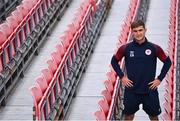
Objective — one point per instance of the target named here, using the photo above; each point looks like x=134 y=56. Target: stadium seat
x=79 y=15
x=56 y=57
x=60 y=49
x=42 y=83
x=165 y=117
x=11 y=20
x=72 y=29
x=35 y=2
x=23 y=9
x=168 y=108
x=3 y=37
x=109 y=86
x=168 y=88
x=84 y=5
x=112 y=77
x=6 y=28
x=37 y=95
x=17 y=15
x=65 y=40
x=47 y=75
x=76 y=23
x=100 y=116
x=107 y=96
x=52 y=65
x=27 y=4
x=104 y=106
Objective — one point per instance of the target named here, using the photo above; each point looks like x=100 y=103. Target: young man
x=140 y=81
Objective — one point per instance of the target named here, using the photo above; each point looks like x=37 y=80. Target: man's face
x=139 y=33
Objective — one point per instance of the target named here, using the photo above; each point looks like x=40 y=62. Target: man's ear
x=145 y=29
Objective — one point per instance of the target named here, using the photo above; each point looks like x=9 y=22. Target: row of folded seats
x=110 y=107
x=21 y=34
x=55 y=87
x=177 y=93
x=6 y=7
x=169 y=103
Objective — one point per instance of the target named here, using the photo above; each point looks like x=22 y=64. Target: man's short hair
x=137 y=23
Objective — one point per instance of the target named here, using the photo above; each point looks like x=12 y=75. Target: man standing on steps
x=140 y=81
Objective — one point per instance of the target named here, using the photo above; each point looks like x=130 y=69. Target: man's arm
x=166 y=60
x=116 y=67
x=115 y=60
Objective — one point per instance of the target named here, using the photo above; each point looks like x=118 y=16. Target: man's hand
x=126 y=82
x=154 y=84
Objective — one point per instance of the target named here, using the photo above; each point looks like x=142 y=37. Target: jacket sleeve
x=115 y=61
x=166 y=60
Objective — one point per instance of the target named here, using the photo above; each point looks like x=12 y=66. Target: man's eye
x=138 y=30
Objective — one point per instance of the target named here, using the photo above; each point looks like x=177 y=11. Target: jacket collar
x=135 y=42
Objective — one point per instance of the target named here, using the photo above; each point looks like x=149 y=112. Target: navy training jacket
x=140 y=64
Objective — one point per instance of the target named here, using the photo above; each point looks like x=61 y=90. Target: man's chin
x=139 y=39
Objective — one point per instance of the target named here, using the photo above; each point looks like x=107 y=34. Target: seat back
x=3 y=37
x=104 y=106
x=56 y=56
x=52 y=65
x=107 y=96
x=36 y=95
x=109 y=86
x=100 y=116
x=47 y=74
x=42 y=83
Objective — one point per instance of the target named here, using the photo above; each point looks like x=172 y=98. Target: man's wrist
x=159 y=79
x=121 y=76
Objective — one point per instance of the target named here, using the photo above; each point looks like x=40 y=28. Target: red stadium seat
x=24 y=10
x=109 y=86
x=167 y=108
x=76 y=23
x=37 y=95
x=79 y=15
x=84 y=5
x=100 y=116
x=52 y=65
x=107 y=96
x=168 y=97
x=42 y=83
x=65 y=41
x=66 y=38
x=3 y=37
x=27 y=4
x=112 y=77
x=17 y=15
x=47 y=75
x=5 y=27
x=166 y=117
x=56 y=57
x=11 y=20
x=104 y=106
x=34 y=2
x=60 y=49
